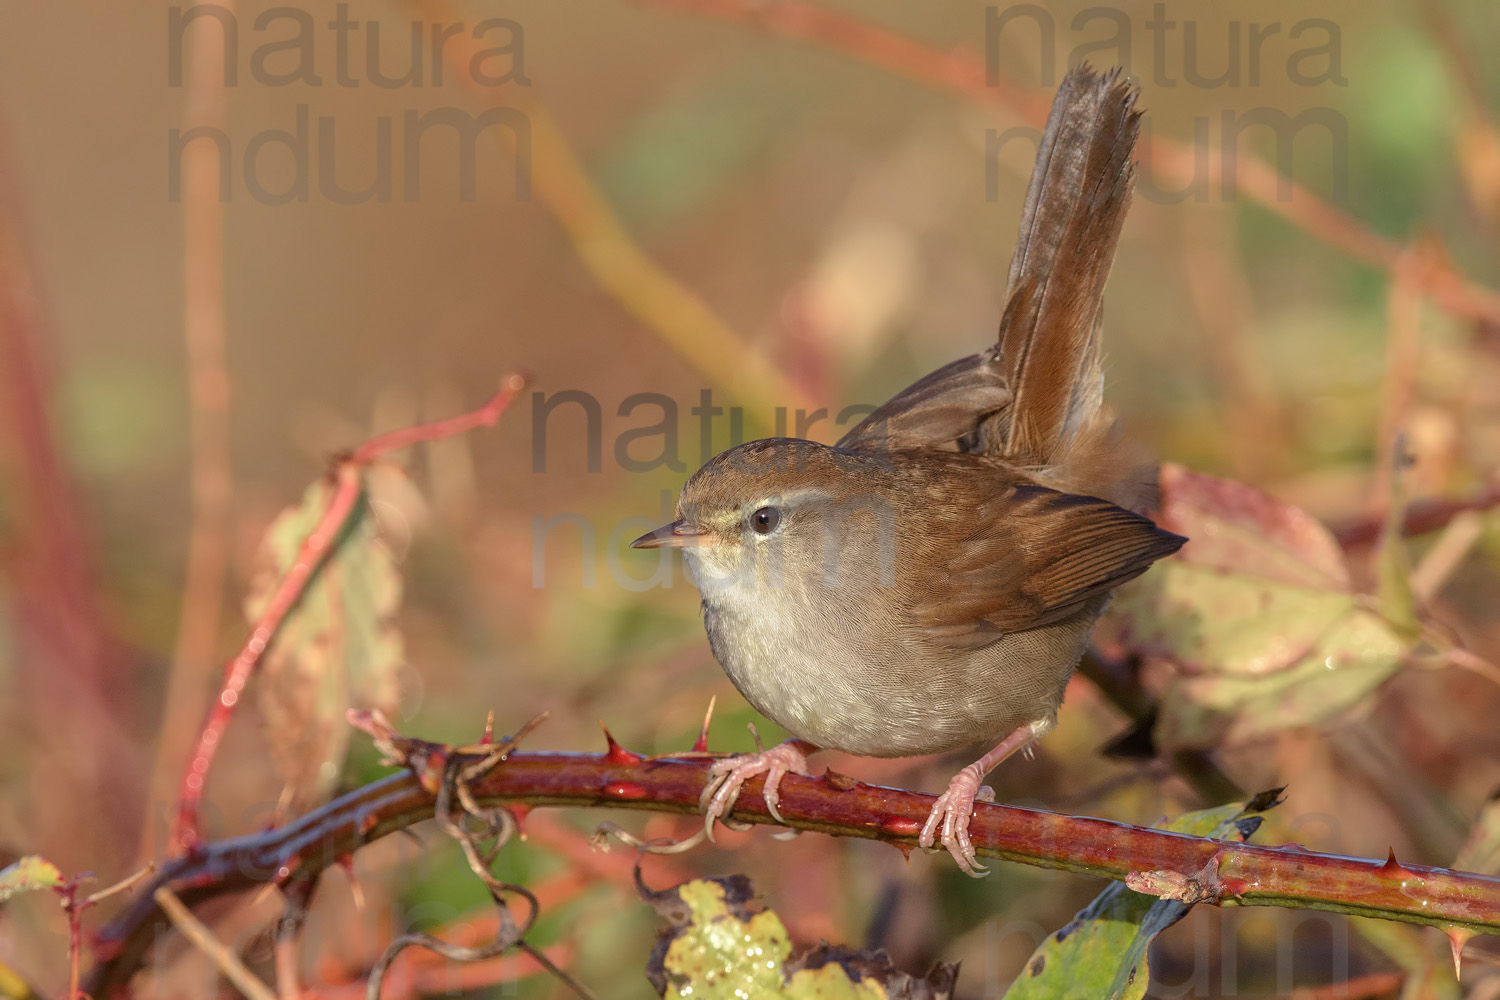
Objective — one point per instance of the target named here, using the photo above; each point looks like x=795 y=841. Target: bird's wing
x=1000 y=579
x=941 y=410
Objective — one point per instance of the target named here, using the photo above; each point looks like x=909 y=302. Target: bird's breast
x=832 y=673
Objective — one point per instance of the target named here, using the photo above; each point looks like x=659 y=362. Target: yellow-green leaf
x=1102 y=951
x=721 y=946
x=1357 y=654
x=27 y=875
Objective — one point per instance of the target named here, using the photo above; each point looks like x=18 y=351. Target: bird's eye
x=765 y=520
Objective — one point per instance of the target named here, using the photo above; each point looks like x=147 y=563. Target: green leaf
x=1209 y=620
x=1356 y=654
x=1102 y=951
x=1398 y=602
x=721 y=945
x=27 y=875
x=337 y=649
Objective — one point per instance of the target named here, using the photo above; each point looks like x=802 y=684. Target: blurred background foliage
x=849 y=226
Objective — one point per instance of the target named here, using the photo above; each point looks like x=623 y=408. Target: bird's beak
x=674 y=535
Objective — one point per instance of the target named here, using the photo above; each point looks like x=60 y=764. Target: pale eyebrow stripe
x=793 y=496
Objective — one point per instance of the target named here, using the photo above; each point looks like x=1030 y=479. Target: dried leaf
x=337 y=649
x=1102 y=952
x=1236 y=528
x=1256 y=612
x=27 y=875
x=721 y=945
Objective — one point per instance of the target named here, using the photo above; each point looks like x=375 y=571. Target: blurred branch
x=348 y=476
x=1422 y=517
x=203 y=939
x=211 y=479
x=965 y=75
x=1463 y=904
x=1402 y=358
x=667 y=307
x=1477 y=147
x=73 y=675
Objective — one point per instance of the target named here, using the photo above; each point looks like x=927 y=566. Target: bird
x=930 y=581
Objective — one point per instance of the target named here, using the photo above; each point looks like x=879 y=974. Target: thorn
x=1394 y=867
x=759 y=746
x=905 y=850
x=838 y=782
x=489 y=729
x=702 y=745
x=617 y=754
x=1457 y=938
x=518 y=812
x=346 y=862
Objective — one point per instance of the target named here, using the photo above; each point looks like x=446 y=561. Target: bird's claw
x=728 y=776
x=948 y=822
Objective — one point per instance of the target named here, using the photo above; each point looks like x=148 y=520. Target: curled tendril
x=660 y=845
x=495 y=828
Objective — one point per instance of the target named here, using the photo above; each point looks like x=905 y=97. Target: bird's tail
x=1048 y=349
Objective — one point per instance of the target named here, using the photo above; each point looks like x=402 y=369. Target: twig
x=204 y=940
x=73 y=907
x=314 y=551
x=190 y=676
x=1402 y=355
x=1288 y=877
x=125 y=884
x=965 y=75
x=1443 y=558
x=295 y=895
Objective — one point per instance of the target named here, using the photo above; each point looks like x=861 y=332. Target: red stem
x=186 y=828
x=1286 y=876
x=486 y=416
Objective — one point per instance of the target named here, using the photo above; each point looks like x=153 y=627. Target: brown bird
x=930 y=582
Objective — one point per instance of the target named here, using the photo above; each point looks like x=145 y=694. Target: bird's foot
x=727 y=776
x=948 y=821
